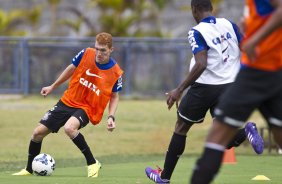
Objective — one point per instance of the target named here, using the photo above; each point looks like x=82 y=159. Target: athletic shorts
x=198 y=100
x=253 y=89
x=57 y=117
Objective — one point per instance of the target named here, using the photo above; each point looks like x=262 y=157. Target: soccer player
x=257 y=86
x=95 y=80
x=215 y=45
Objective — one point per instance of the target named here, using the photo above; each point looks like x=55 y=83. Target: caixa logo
x=222 y=38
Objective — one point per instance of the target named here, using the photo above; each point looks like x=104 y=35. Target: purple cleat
x=155 y=175
x=254 y=137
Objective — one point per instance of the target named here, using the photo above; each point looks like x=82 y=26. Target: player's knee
x=38 y=135
x=182 y=128
x=70 y=131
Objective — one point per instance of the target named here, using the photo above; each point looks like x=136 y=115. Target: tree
x=121 y=18
x=53 y=6
x=17 y=22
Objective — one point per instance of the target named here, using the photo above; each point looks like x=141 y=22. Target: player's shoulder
x=206 y=22
x=224 y=21
x=116 y=65
x=89 y=49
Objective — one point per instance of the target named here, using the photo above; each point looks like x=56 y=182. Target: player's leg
x=270 y=107
x=277 y=134
x=176 y=148
x=46 y=126
x=71 y=129
x=249 y=131
x=271 y=111
x=277 y=131
x=238 y=139
x=235 y=107
x=72 y=126
x=34 y=148
x=52 y=121
x=210 y=161
x=219 y=136
x=192 y=109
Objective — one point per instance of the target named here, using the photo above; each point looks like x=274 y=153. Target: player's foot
x=23 y=172
x=94 y=169
x=155 y=175
x=254 y=137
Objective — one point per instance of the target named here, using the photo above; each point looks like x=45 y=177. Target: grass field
x=144 y=128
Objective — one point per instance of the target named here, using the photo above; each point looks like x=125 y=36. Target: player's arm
x=196 y=71
x=67 y=73
x=113 y=104
x=272 y=24
x=199 y=49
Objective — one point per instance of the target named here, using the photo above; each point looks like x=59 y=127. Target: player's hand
x=172 y=97
x=46 y=90
x=111 y=124
x=249 y=47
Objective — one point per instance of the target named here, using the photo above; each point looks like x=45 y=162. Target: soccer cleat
x=23 y=172
x=155 y=175
x=254 y=137
x=94 y=169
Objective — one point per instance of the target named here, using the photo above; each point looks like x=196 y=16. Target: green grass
x=130 y=169
x=144 y=128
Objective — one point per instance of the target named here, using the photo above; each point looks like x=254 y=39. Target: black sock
x=207 y=166
x=239 y=138
x=80 y=142
x=33 y=151
x=175 y=150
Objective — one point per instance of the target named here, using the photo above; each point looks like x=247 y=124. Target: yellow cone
x=260 y=177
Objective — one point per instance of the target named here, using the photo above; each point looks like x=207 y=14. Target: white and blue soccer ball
x=43 y=165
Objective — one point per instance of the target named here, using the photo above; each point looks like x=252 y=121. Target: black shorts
x=57 y=117
x=253 y=89
x=198 y=100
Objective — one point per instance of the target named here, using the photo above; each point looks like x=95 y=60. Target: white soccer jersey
x=221 y=39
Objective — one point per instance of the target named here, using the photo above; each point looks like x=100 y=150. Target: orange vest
x=269 y=56
x=90 y=88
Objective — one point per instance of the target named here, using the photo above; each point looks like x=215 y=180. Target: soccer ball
x=43 y=165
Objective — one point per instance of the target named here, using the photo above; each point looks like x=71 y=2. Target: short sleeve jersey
x=221 y=38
